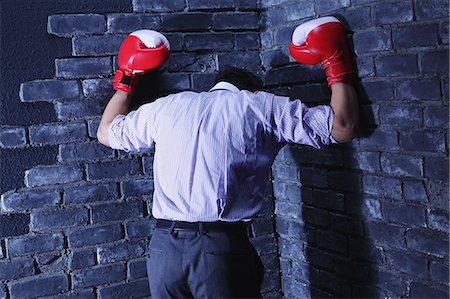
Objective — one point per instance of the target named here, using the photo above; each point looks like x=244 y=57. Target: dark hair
x=240 y=78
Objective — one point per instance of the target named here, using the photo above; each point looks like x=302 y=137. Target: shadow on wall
x=325 y=250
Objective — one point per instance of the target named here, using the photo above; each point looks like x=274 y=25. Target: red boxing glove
x=141 y=51
x=323 y=41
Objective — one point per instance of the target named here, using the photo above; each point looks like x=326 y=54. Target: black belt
x=220 y=226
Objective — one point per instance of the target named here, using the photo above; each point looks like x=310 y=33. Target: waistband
x=219 y=226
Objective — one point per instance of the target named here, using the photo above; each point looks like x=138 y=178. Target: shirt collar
x=225 y=85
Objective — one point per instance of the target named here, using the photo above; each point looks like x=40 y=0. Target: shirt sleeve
x=134 y=131
x=294 y=122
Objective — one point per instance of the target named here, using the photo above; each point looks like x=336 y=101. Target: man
x=213 y=156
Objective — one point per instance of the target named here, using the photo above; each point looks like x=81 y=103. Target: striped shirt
x=214 y=150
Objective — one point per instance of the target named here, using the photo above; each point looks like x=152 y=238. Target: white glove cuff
x=302 y=31
x=151 y=38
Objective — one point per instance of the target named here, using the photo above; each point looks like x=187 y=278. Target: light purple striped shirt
x=214 y=150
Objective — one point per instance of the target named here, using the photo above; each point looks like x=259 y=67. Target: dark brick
x=141 y=228
x=209 y=41
x=34 y=244
x=437 y=192
x=16 y=268
x=344 y=181
x=418 y=90
x=382 y=186
x=346 y=225
x=247 y=41
x=202 y=82
x=427 y=242
x=331 y=241
x=396 y=65
x=137 y=187
x=438 y=220
x=127 y=23
x=277 y=57
x=12 y=137
x=147 y=165
x=420 y=290
x=247 y=4
x=93 y=235
x=435 y=61
x=249 y=60
x=158 y=6
x=316 y=217
x=120 y=251
x=443 y=33
x=293 y=74
x=378 y=90
x=415 y=36
x=90 y=193
x=40 y=286
x=427 y=141
x=439 y=271
x=176 y=42
x=97 y=88
x=48 y=90
x=399 y=12
x=328 y=199
x=113 y=169
x=436 y=168
x=55 y=133
x=236 y=20
x=101 y=45
x=431 y=9
x=55 y=219
x=365 y=66
x=98 y=275
x=402 y=116
x=386 y=233
x=380 y=139
x=186 y=62
x=119 y=211
x=134 y=289
x=209 y=5
x=325 y=6
x=174 y=82
x=436 y=116
x=367 y=161
x=84 y=152
x=407 y=262
x=404 y=213
x=365 y=250
x=186 y=22
x=70 y=109
x=357 y=18
x=415 y=191
x=335 y=283
x=137 y=269
x=50 y=175
x=75 y=24
x=31 y=199
x=401 y=165
x=82 y=259
x=83 y=67
x=392 y=282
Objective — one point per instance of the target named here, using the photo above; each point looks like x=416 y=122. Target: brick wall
x=365 y=219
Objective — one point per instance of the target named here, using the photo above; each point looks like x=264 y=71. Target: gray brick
x=438 y=193
x=415 y=191
x=415 y=36
x=396 y=65
x=325 y=6
x=406 y=262
x=55 y=219
x=357 y=18
x=83 y=258
x=158 y=6
x=401 y=116
x=98 y=275
x=93 y=127
x=436 y=168
x=287 y=210
x=435 y=61
x=380 y=139
x=97 y=88
x=404 y=213
x=378 y=90
x=289 y=248
x=421 y=290
x=137 y=187
x=436 y=116
x=418 y=90
x=120 y=251
x=83 y=67
x=84 y=152
x=127 y=23
x=399 y=12
x=250 y=60
x=88 y=193
x=176 y=42
x=101 y=45
x=439 y=271
x=367 y=161
x=11 y=137
x=75 y=24
x=443 y=33
x=93 y=235
x=431 y=9
x=113 y=169
x=134 y=289
x=365 y=66
x=171 y=82
x=147 y=163
x=382 y=186
x=274 y=17
x=236 y=21
x=186 y=62
x=14 y=225
x=186 y=22
x=386 y=233
x=438 y=220
x=247 y=4
x=141 y=228
x=40 y=286
x=427 y=141
x=209 y=41
x=16 y=268
x=31 y=199
x=28 y=245
x=428 y=242
x=273 y=58
x=401 y=165
x=210 y=5
x=48 y=90
x=283 y=35
x=50 y=175
x=370 y=208
x=69 y=109
x=55 y=133
x=137 y=269
x=247 y=41
x=299 y=10
x=203 y=82
x=392 y=282
x=119 y=211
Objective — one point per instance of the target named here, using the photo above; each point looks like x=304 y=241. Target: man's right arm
x=344 y=103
